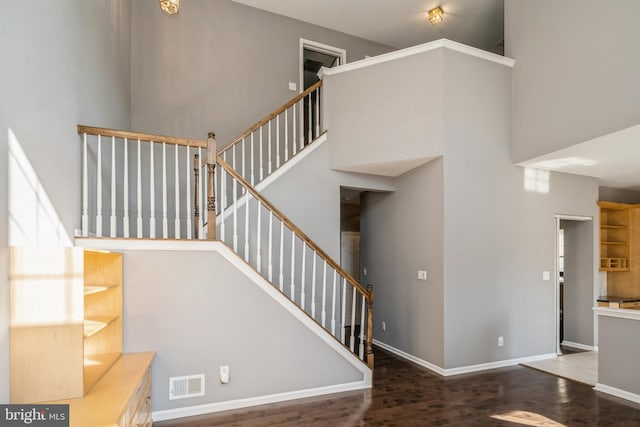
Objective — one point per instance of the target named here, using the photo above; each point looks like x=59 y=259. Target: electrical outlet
x=384 y=326
x=546 y=275
x=364 y=271
x=500 y=341
x=224 y=374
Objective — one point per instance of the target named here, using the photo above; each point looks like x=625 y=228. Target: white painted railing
x=292 y=262
x=144 y=184
x=274 y=140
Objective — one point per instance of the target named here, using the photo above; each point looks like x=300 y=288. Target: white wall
x=218 y=66
x=576 y=72
x=64 y=63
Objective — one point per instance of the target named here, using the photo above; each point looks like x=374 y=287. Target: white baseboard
x=617 y=392
x=463 y=369
x=579 y=346
x=189 y=411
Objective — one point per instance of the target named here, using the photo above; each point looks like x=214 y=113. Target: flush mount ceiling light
x=170 y=7
x=435 y=15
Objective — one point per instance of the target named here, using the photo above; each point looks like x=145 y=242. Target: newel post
x=372 y=297
x=211 y=196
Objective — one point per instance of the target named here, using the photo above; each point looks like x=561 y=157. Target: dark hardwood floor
x=405 y=394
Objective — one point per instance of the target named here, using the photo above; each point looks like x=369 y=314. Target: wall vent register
x=187 y=386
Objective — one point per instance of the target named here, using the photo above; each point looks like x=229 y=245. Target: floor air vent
x=184 y=387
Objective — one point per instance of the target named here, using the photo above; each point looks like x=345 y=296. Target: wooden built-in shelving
x=615 y=236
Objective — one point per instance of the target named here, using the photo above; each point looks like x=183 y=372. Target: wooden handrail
x=90 y=130
x=271 y=116
x=293 y=227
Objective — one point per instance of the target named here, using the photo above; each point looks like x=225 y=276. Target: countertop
x=612 y=298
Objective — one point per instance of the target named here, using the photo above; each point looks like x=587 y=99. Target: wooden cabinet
x=615 y=236
x=65 y=321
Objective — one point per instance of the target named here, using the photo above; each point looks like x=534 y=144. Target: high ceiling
x=400 y=23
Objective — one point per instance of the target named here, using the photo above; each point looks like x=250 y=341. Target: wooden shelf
x=96 y=289
x=95 y=325
x=615 y=235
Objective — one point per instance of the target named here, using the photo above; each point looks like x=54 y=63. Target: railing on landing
x=291 y=261
x=274 y=140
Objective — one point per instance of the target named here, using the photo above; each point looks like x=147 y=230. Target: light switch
x=422 y=274
x=546 y=275
x=293 y=86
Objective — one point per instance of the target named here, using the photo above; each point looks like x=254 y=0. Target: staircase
x=157 y=195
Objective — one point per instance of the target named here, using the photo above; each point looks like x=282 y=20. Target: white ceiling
x=399 y=23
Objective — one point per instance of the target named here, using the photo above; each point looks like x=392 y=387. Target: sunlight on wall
x=536 y=180
x=32 y=219
x=46 y=286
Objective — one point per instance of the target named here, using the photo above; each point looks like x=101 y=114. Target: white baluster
x=188 y=196
x=99 y=191
x=246 y=227
x=253 y=180
x=293 y=263
x=152 y=194
x=286 y=136
x=270 y=246
x=313 y=286
x=165 y=217
x=344 y=310
x=310 y=130
x=85 y=187
x=352 y=340
x=259 y=239
x=139 y=194
x=243 y=160
x=277 y=147
x=300 y=105
x=125 y=186
x=176 y=173
x=233 y=157
x=235 y=214
x=317 y=91
x=113 y=224
x=281 y=276
x=362 y=310
x=324 y=294
x=333 y=305
x=295 y=124
x=269 y=150
x=304 y=268
x=223 y=202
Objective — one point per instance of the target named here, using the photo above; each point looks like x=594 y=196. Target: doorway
x=575 y=284
x=313 y=57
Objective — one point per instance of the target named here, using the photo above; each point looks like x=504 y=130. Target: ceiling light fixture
x=170 y=7
x=435 y=15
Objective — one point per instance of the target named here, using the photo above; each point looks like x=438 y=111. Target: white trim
x=617 y=392
x=317 y=47
x=446 y=372
x=579 y=346
x=247 y=270
x=422 y=48
x=574 y=217
x=621 y=313
x=169 y=414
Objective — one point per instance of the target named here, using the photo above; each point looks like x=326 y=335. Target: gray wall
x=309 y=194
x=578 y=282
x=66 y=63
x=401 y=233
x=192 y=321
x=386 y=113
x=499 y=238
x=575 y=76
x=618 y=195
x=218 y=66
x=618 y=354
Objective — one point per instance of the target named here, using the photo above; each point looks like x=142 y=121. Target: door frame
x=340 y=53
x=556 y=282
